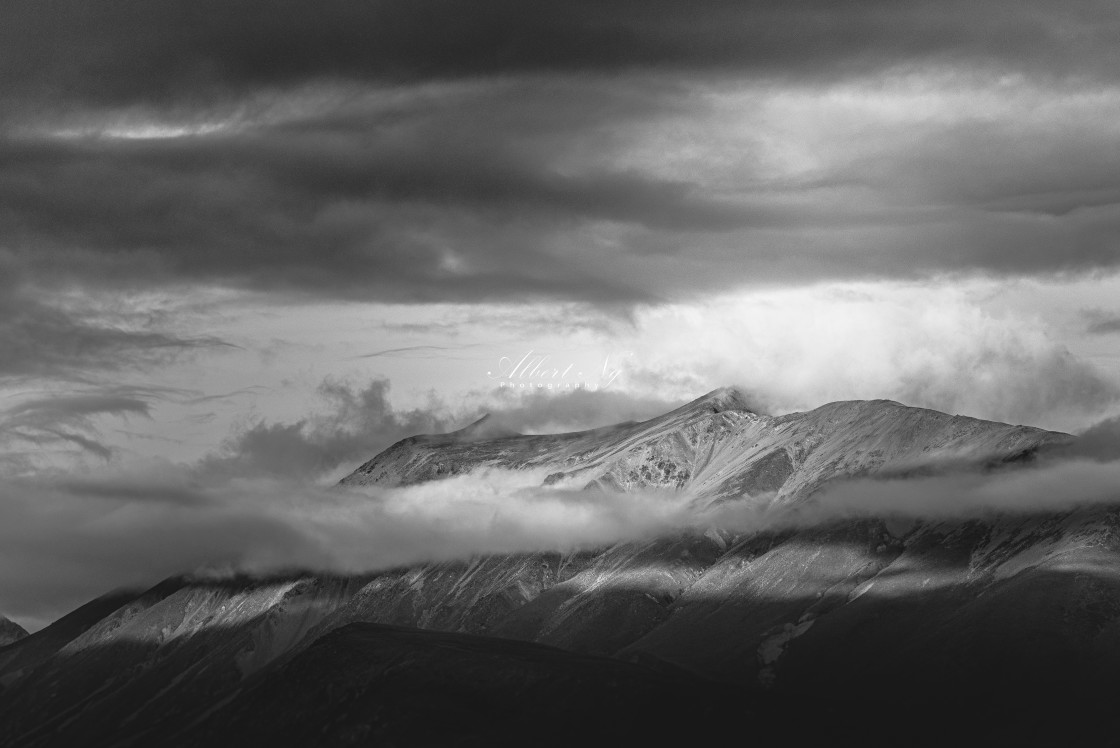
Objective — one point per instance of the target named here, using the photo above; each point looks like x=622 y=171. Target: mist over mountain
x=723 y=567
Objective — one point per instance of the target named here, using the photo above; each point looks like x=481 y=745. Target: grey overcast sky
x=251 y=238
x=611 y=152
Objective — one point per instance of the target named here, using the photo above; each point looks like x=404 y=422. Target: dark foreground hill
x=876 y=631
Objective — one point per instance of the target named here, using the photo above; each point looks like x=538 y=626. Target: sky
x=265 y=240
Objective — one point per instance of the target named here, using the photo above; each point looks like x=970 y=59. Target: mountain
x=10 y=631
x=992 y=630
x=717 y=447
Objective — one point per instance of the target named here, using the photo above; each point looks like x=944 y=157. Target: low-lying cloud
x=66 y=539
x=1055 y=487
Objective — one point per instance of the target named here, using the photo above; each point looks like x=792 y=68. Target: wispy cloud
x=421 y=351
x=71 y=417
x=43 y=337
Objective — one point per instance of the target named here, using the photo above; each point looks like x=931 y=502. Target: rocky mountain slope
x=1014 y=615
x=10 y=631
x=718 y=448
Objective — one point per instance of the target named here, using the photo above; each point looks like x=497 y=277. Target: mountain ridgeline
x=10 y=631
x=846 y=631
x=717 y=447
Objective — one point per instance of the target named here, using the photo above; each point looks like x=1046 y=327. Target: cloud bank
x=157 y=52
x=607 y=152
x=926 y=346
x=65 y=540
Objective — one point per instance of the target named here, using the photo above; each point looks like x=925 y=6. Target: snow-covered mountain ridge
x=717 y=447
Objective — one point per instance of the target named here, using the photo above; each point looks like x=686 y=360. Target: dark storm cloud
x=452 y=195
x=445 y=151
x=145 y=50
x=458 y=207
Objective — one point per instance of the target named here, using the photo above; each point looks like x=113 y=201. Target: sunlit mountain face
x=353 y=359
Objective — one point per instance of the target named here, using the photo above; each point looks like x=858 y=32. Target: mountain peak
x=486 y=427
x=723 y=398
x=10 y=631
